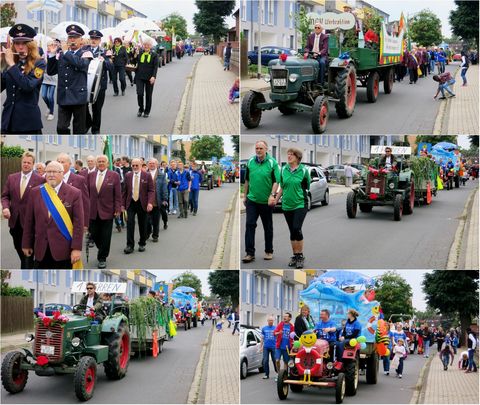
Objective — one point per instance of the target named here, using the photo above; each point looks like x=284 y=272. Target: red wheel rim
x=124 y=352
x=375 y=87
x=351 y=89
x=20 y=377
x=90 y=379
x=323 y=115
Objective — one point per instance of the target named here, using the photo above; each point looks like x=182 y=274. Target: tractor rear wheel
x=286 y=110
x=320 y=115
x=388 y=81
x=118 y=353
x=85 y=378
x=373 y=83
x=346 y=91
x=351 y=205
x=251 y=115
x=398 y=207
x=13 y=377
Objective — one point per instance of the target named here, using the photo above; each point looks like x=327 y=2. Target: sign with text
x=332 y=21
x=100 y=287
x=396 y=150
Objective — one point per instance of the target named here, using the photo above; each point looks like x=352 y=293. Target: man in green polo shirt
x=261 y=184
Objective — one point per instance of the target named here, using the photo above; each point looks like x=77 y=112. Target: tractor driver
x=326 y=329
x=318 y=44
x=388 y=161
x=93 y=300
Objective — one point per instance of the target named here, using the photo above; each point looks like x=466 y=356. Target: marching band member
x=22 y=79
x=145 y=76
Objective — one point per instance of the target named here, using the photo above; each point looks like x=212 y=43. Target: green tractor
x=73 y=344
x=381 y=186
x=294 y=86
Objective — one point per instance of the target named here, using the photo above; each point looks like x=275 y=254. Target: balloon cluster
x=361 y=340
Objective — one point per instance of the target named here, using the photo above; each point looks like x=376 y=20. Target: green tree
x=464 y=20
x=394 y=294
x=453 y=293
x=225 y=284
x=473 y=140
x=180 y=154
x=303 y=25
x=175 y=23
x=433 y=139
x=235 y=139
x=189 y=279
x=425 y=28
x=210 y=19
x=8 y=14
x=11 y=151
x=204 y=147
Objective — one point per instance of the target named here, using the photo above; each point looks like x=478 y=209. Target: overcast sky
x=159 y=9
x=169 y=275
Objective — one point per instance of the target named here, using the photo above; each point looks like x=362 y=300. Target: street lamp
x=259 y=50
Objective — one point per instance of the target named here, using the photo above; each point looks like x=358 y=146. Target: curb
x=195 y=387
x=221 y=241
x=182 y=112
x=419 y=386
x=454 y=252
x=439 y=121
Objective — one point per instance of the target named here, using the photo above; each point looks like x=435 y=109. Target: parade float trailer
x=188 y=318
x=382 y=187
x=311 y=364
x=71 y=344
x=441 y=153
x=426 y=173
x=293 y=80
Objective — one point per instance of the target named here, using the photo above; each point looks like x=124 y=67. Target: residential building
x=95 y=14
x=323 y=150
x=54 y=286
x=270 y=292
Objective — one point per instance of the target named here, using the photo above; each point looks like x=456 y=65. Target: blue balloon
x=363 y=346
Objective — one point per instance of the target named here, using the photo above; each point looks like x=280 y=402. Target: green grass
x=253 y=69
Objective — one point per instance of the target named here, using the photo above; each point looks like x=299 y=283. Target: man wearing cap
x=94 y=121
x=120 y=59
x=72 y=89
x=22 y=79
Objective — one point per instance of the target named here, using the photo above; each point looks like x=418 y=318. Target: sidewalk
x=253 y=84
x=222 y=384
x=12 y=341
x=449 y=387
x=471 y=258
x=461 y=113
x=208 y=109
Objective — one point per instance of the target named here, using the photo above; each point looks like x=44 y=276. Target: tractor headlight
x=76 y=342
x=267 y=78
x=391 y=186
x=329 y=365
x=293 y=77
x=291 y=363
x=29 y=337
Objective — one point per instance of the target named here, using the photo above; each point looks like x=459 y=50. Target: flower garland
x=58 y=319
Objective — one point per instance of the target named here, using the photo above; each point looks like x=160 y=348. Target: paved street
x=187 y=243
x=389 y=389
x=119 y=114
x=332 y=240
x=166 y=379
x=409 y=109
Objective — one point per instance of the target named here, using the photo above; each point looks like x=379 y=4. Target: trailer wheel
x=398 y=207
x=13 y=377
x=388 y=81
x=410 y=202
x=372 y=86
x=351 y=205
x=251 y=115
x=346 y=91
x=372 y=368
x=320 y=115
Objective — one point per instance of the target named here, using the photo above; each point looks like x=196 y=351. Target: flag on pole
x=107 y=150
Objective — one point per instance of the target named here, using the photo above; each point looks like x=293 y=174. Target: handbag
x=419 y=71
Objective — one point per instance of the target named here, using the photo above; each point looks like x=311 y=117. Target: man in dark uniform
x=94 y=121
x=120 y=59
x=145 y=76
x=72 y=90
x=22 y=79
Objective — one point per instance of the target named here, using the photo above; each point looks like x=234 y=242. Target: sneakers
x=300 y=260
x=50 y=117
x=386 y=372
x=248 y=259
x=293 y=261
x=268 y=256
x=265 y=377
x=399 y=376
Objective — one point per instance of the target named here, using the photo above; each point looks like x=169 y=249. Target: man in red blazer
x=105 y=204
x=76 y=181
x=42 y=235
x=138 y=197
x=15 y=195
x=318 y=44
x=91 y=166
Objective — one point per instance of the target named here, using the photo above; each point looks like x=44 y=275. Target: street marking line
x=195 y=387
x=453 y=255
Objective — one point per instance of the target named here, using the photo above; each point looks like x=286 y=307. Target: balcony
x=104 y=8
x=121 y=14
x=87 y=3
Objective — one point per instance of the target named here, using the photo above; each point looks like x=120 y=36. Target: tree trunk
x=465 y=321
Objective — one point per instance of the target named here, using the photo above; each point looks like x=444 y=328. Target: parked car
x=268 y=53
x=319 y=192
x=457 y=57
x=200 y=49
x=251 y=352
x=51 y=308
x=358 y=166
x=338 y=171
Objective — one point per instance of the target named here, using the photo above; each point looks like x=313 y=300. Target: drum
x=94 y=77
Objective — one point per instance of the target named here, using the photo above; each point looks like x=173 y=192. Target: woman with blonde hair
x=351 y=330
x=22 y=79
x=303 y=321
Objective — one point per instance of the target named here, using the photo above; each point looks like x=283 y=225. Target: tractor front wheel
x=398 y=207
x=118 y=353
x=340 y=388
x=85 y=378
x=351 y=205
x=251 y=115
x=282 y=388
x=13 y=377
x=320 y=115
x=373 y=83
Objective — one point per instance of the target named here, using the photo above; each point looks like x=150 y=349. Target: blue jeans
x=386 y=363
x=432 y=65
x=445 y=86
x=471 y=361
x=322 y=62
x=268 y=353
x=446 y=359
x=426 y=348
x=282 y=353
x=399 y=369
x=173 y=200
x=48 y=95
x=464 y=74
x=226 y=63
x=193 y=199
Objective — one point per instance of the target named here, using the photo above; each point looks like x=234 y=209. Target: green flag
x=107 y=150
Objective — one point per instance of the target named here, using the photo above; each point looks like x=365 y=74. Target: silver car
x=251 y=352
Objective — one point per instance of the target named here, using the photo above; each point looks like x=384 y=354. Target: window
x=243 y=11
x=248 y=317
x=247 y=288
x=311 y=157
x=291 y=19
x=277 y=295
x=270 y=12
x=264 y=291
x=258 y=282
x=274 y=152
x=54 y=277
x=262 y=12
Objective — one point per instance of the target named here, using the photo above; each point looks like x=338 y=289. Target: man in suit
x=138 y=197
x=120 y=59
x=162 y=192
x=145 y=78
x=118 y=168
x=41 y=233
x=72 y=89
x=76 y=181
x=105 y=204
x=318 y=44
x=15 y=197
x=153 y=222
x=91 y=166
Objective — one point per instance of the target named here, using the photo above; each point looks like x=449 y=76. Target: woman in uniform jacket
x=145 y=76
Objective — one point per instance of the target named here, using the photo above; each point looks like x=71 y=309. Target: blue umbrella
x=445 y=146
x=184 y=289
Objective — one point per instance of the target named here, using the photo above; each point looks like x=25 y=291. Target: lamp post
x=259 y=50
